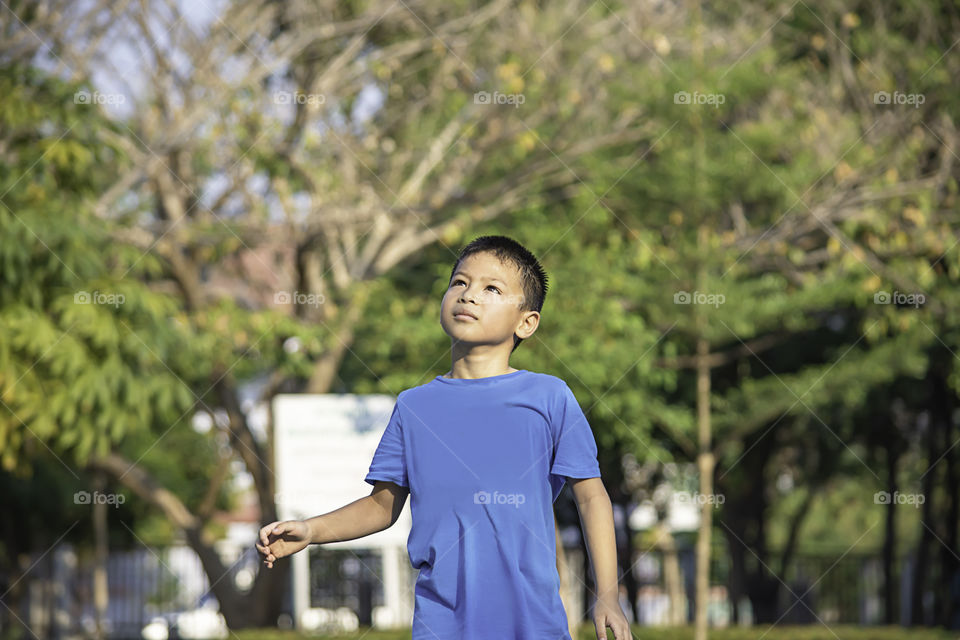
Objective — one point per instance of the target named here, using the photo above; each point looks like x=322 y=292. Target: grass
x=586 y=632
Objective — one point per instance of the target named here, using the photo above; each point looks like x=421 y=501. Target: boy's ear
x=528 y=324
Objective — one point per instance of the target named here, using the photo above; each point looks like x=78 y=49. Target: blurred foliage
x=91 y=358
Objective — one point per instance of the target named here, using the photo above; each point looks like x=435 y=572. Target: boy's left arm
x=596 y=516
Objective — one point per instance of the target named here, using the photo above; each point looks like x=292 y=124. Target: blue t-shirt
x=484 y=460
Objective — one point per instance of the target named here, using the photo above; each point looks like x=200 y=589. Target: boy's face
x=490 y=291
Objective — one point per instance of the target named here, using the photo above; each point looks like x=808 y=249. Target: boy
x=483 y=452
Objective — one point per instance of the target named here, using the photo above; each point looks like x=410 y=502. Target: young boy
x=483 y=452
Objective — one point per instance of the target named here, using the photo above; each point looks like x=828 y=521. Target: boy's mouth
x=463 y=315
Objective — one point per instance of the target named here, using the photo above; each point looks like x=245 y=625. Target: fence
x=828 y=588
x=55 y=598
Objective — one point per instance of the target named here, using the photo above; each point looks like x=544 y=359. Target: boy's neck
x=461 y=370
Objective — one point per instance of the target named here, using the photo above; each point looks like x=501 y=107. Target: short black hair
x=533 y=278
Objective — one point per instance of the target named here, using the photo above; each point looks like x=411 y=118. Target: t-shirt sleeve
x=574 y=447
x=388 y=462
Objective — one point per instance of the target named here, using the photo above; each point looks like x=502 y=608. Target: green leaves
x=85 y=350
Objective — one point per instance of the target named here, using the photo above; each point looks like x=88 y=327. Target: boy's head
x=502 y=285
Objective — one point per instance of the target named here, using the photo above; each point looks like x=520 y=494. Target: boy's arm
x=596 y=516
x=360 y=518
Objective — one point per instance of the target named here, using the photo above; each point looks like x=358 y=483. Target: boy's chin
x=463 y=331
x=460 y=337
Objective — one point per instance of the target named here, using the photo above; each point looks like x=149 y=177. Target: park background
x=747 y=211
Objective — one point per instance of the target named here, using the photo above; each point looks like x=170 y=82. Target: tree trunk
x=672 y=580
x=565 y=586
x=950 y=551
x=946 y=594
x=240 y=611
x=705 y=464
x=890 y=539
x=745 y=513
x=261 y=605
x=622 y=501
x=793 y=530
x=737 y=571
x=926 y=521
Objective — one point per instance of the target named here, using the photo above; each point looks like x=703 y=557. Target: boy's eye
x=489 y=286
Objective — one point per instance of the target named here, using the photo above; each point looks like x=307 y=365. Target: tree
x=783 y=218
x=298 y=152
x=67 y=353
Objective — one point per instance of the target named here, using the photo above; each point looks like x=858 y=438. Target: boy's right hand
x=281 y=539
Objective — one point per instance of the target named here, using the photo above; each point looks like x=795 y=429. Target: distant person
x=483 y=451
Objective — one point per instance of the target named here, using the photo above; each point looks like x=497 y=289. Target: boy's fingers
x=265 y=531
